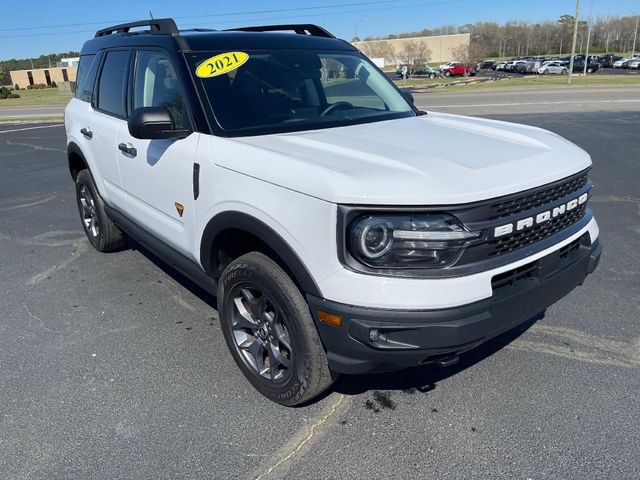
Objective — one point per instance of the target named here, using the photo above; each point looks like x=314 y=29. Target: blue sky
x=64 y=25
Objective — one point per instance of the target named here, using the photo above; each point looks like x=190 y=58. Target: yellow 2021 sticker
x=221 y=64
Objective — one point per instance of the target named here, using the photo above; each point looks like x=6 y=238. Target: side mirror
x=408 y=96
x=154 y=123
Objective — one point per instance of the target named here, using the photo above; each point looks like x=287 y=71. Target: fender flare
x=242 y=221
x=74 y=149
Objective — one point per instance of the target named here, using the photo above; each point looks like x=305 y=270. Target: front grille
x=550 y=194
x=521 y=239
x=524 y=277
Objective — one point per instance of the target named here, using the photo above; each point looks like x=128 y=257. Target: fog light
x=374 y=335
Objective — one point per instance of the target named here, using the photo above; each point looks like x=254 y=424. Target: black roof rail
x=157 y=26
x=299 y=28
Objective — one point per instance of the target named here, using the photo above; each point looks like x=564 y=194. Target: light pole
x=573 y=44
x=586 y=54
x=635 y=35
x=561 y=39
x=501 y=46
x=355 y=27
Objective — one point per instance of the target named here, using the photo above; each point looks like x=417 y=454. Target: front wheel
x=432 y=76
x=589 y=70
x=447 y=73
x=565 y=71
x=269 y=330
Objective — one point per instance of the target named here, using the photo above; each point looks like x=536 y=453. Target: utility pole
x=573 y=44
x=635 y=35
x=586 y=55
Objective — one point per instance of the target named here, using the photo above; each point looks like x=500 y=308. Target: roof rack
x=157 y=26
x=300 y=29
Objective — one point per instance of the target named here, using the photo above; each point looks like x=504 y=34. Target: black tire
x=432 y=76
x=307 y=374
x=589 y=70
x=565 y=71
x=447 y=73
x=545 y=72
x=106 y=237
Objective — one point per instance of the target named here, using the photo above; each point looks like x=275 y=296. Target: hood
x=433 y=159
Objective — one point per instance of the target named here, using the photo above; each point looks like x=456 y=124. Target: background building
x=441 y=47
x=68 y=62
x=46 y=76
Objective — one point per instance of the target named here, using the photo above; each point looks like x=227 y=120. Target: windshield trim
x=219 y=131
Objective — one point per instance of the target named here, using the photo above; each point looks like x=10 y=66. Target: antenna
x=150 y=15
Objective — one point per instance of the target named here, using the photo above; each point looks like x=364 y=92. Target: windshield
x=290 y=90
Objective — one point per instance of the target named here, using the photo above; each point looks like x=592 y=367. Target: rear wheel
x=432 y=76
x=102 y=233
x=564 y=71
x=269 y=330
x=589 y=70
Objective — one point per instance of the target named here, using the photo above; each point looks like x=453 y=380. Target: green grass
x=45 y=96
x=531 y=81
x=18 y=120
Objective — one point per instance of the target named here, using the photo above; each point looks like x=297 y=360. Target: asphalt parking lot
x=113 y=366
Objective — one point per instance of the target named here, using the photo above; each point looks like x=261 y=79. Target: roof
x=163 y=32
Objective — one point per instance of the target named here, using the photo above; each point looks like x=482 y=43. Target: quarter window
x=111 y=86
x=158 y=85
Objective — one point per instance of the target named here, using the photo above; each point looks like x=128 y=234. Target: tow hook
x=446 y=361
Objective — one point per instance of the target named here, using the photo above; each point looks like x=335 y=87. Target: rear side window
x=86 y=77
x=112 y=82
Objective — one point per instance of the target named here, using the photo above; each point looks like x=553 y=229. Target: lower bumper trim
x=372 y=339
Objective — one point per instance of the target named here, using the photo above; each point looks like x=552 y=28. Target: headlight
x=408 y=241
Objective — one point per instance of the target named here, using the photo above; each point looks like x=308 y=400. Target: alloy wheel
x=88 y=211
x=260 y=333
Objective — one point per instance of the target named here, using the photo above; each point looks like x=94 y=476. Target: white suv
x=342 y=229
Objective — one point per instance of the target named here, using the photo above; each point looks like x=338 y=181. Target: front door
x=157 y=175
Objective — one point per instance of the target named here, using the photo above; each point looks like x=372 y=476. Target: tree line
x=520 y=38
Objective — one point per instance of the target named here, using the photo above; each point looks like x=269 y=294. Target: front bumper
x=374 y=339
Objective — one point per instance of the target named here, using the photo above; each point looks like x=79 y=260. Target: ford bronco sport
x=341 y=229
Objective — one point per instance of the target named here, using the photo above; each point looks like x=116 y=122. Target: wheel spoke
x=93 y=225
x=283 y=337
x=276 y=357
x=255 y=350
x=244 y=320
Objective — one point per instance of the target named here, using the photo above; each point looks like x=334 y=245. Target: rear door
x=158 y=179
x=103 y=124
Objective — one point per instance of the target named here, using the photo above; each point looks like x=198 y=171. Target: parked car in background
x=555 y=67
x=457 y=68
x=447 y=65
x=500 y=66
x=634 y=64
x=621 y=63
x=420 y=71
x=528 y=67
x=578 y=67
x=487 y=65
x=608 y=59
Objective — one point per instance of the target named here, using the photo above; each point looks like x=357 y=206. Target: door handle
x=86 y=132
x=128 y=149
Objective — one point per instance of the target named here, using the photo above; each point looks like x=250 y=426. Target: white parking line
x=517 y=104
x=31 y=128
